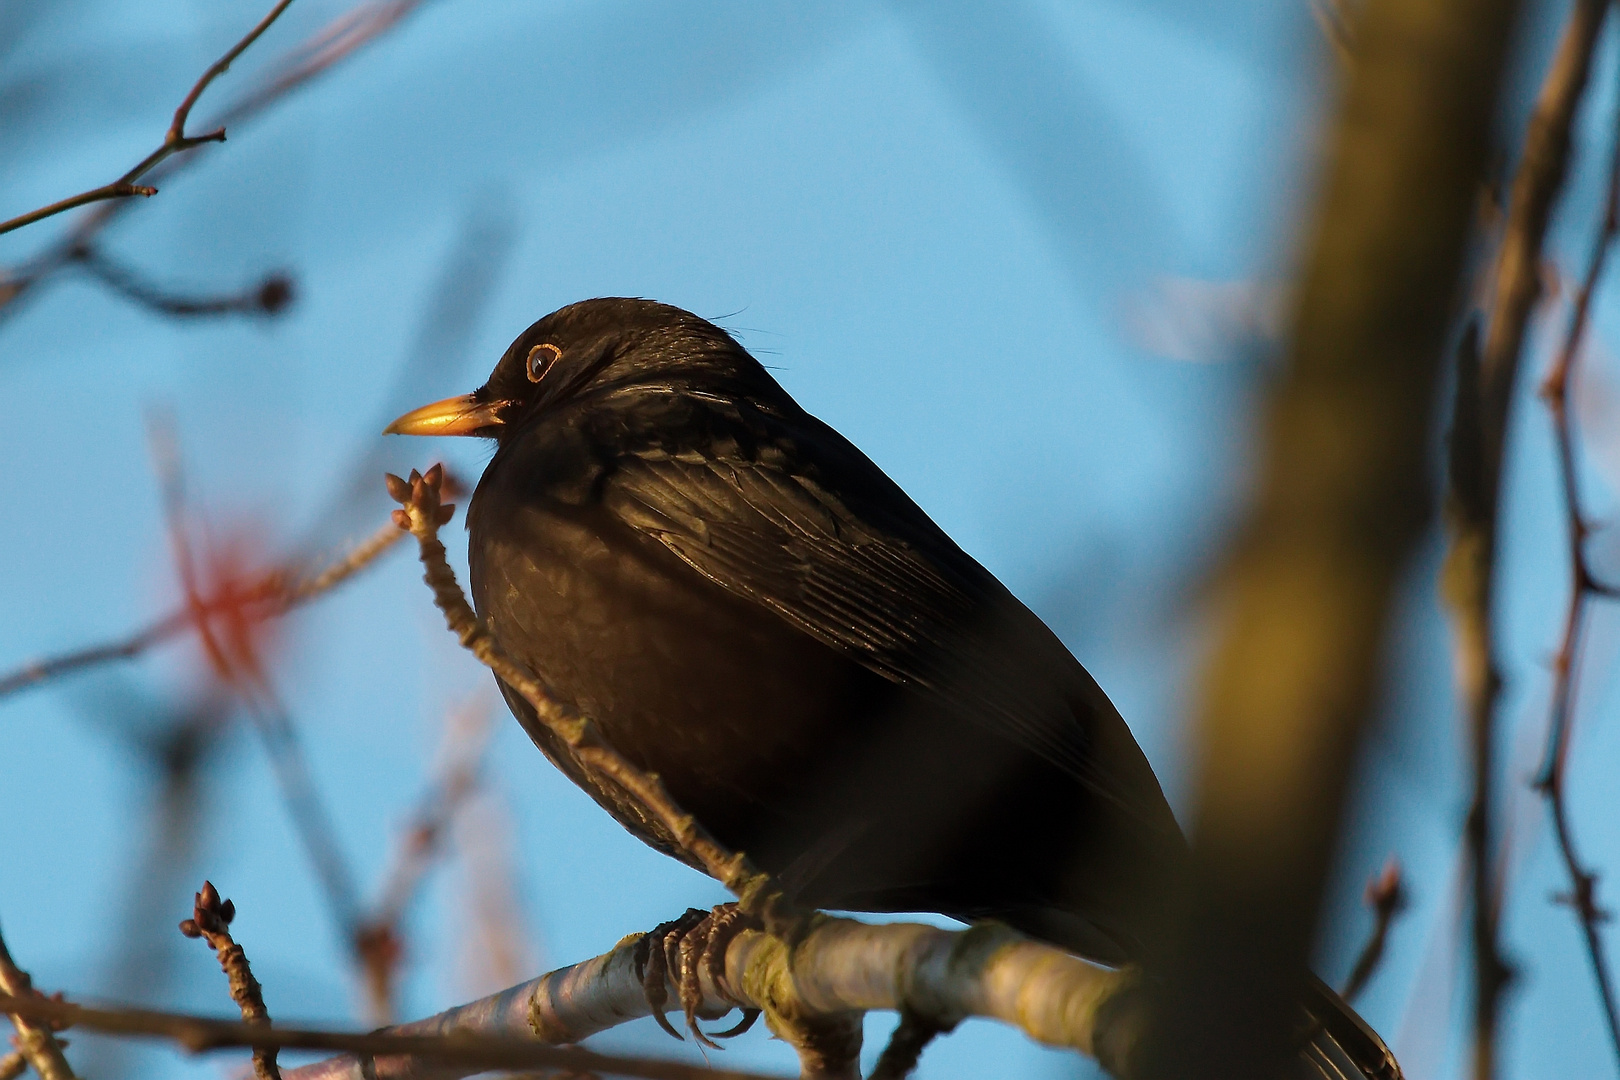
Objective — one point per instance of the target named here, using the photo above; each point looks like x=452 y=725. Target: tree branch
x=839 y=968
x=376 y=939
x=270 y=595
x=271 y=296
x=1387 y=897
x=1584 y=587
x=1485 y=386
x=1304 y=599
x=174 y=140
x=35 y=1039
x=474 y=1054
x=210 y=920
x=334 y=42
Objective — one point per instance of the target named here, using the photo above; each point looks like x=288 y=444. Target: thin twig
x=1584 y=586
x=13 y=1065
x=270 y=595
x=174 y=737
x=175 y=139
x=423 y=515
x=1387 y=897
x=423 y=836
x=211 y=920
x=337 y=40
x=35 y=1039
x=311 y=819
x=234 y=658
x=1485 y=386
x=233 y=655
x=324 y=49
x=270 y=296
x=200 y=1033
x=376 y=939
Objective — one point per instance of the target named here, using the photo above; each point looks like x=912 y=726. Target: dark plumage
x=750 y=608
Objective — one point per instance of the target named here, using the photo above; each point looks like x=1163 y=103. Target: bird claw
x=683 y=951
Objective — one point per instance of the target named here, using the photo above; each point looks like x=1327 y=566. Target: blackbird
x=750 y=608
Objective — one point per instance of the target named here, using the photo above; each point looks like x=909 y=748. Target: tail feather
x=1339 y=1043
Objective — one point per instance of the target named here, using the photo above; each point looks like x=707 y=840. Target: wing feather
x=867 y=572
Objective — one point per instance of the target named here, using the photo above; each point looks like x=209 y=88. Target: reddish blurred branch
x=1583 y=587
x=175 y=140
x=262 y=596
x=211 y=920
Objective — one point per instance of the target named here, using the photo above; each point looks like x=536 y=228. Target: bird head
x=590 y=346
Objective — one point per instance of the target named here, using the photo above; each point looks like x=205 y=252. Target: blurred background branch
x=1583 y=588
x=333 y=43
x=1303 y=602
x=175 y=140
x=36 y=1039
x=269 y=297
x=1485 y=391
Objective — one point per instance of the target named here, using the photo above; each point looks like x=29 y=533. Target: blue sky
x=962 y=234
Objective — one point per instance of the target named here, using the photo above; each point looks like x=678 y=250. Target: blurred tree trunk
x=1303 y=602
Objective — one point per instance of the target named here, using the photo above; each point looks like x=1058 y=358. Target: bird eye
x=540 y=358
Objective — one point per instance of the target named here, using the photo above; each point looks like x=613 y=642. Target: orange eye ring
x=542 y=357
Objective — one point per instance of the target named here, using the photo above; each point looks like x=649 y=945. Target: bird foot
x=683 y=950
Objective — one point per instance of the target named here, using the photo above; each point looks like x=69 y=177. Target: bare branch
x=13 y=1065
x=39 y=671
x=467 y=1054
x=35 y=1041
x=177 y=129
x=1387 y=897
x=211 y=920
x=269 y=297
x=272 y=594
x=1485 y=386
x=308 y=811
x=174 y=140
x=376 y=939
x=839 y=968
x=1304 y=600
x=331 y=44
x=1536 y=184
x=1582 y=897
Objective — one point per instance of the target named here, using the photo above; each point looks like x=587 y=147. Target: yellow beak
x=462 y=415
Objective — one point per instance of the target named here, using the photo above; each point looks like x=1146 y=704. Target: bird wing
x=781 y=509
